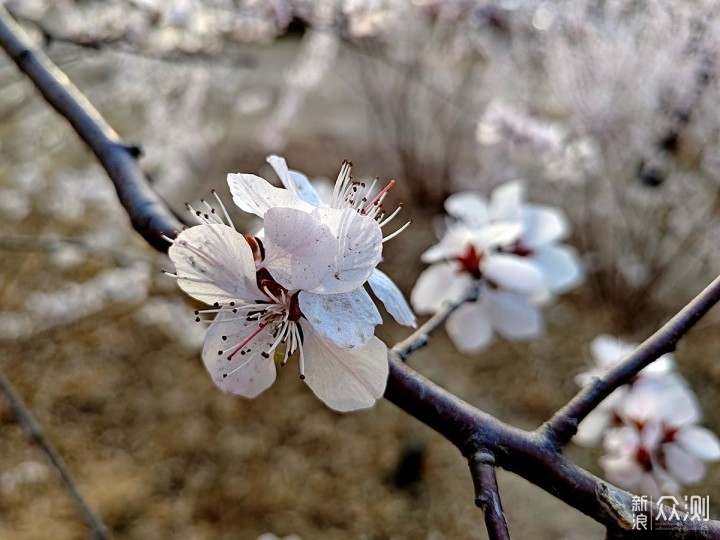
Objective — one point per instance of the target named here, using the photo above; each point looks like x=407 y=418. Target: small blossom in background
x=299 y=287
x=511 y=251
x=651 y=438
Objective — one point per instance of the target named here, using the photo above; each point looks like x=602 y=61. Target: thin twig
x=563 y=425
x=34 y=433
x=487 y=495
x=420 y=337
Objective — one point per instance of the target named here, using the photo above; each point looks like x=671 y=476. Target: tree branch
x=487 y=495
x=534 y=456
x=149 y=215
x=563 y=425
x=34 y=432
x=420 y=337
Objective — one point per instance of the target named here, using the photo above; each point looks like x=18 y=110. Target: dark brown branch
x=34 y=433
x=487 y=495
x=149 y=215
x=534 y=456
x=563 y=425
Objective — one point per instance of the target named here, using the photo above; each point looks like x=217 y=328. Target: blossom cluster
x=649 y=427
x=511 y=251
x=296 y=288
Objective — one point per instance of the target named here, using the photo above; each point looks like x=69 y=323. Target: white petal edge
x=294 y=181
x=513 y=273
x=299 y=249
x=506 y=201
x=700 y=442
x=544 y=225
x=348 y=319
x=560 y=267
x=214 y=263
x=512 y=316
x=468 y=207
x=469 y=328
x=344 y=379
x=256 y=195
x=392 y=298
x=247 y=374
x=359 y=249
x=438 y=284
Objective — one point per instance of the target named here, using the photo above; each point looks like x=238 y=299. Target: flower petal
x=247 y=374
x=543 y=225
x=468 y=207
x=359 y=249
x=512 y=316
x=560 y=267
x=344 y=379
x=347 y=319
x=438 y=284
x=454 y=243
x=299 y=249
x=294 y=181
x=592 y=428
x=683 y=466
x=700 y=442
x=513 y=273
x=214 y=263
x=392 y=298
x=256 y=195
x=506 y=201
x=469 y=327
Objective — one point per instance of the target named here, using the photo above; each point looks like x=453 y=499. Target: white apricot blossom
x=347 y=193
x=510 y=251
x=297 y=289
x=649 y=426
x=606 y=352
x=659 y=447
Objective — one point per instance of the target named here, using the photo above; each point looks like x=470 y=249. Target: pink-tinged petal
x=512 y=316
x=299 y=249
x=392 y=298
x=247 y=373
x=651 y=485
x=699 y=442
x=512 y=273
x=294 y=181
x=344 y=379
x=214 y=263
x=544 y=225
x=560 y=267
x=687 y=468
x=347 y=319
x=592 y=428
x=506 y=201
x=468 y=207
x=438 y=284
x=359 y=249
x=255 y=195
x=470 y=329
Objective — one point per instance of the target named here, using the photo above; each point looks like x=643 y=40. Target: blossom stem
x=420 y=337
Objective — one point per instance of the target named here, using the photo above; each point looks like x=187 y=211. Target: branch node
x=614 y=506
